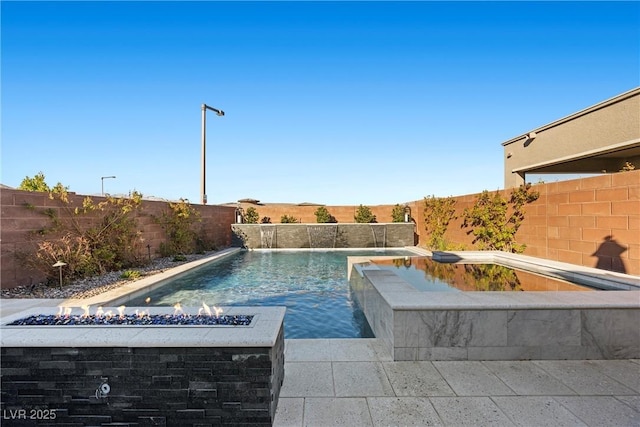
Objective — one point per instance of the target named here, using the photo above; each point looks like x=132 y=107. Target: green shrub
x=286 y=219
x=178 y=223
x=364 y=215
x=397 y=213
x=130 y=275
x=112 y=242
x=251 y=216
x=323 y=216
x=438 y=212
x=494 y=221
x=265 y=220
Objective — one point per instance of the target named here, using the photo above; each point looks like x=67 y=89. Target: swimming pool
x=312 y=285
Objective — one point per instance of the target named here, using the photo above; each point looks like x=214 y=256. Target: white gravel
x=93 y=286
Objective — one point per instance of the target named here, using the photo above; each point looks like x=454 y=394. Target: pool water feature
x=312 y=285
x=429 y=275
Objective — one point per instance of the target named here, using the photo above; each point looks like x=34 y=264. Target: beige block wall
x=21 y=214
x=569 y=222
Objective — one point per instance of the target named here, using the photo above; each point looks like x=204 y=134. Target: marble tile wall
x=431 y=327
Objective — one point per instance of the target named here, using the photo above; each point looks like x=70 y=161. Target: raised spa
x=447 y=324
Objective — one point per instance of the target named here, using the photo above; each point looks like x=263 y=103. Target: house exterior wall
x=612 y=124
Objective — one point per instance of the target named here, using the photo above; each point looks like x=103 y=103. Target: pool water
x=311 y=284
x=426 y=274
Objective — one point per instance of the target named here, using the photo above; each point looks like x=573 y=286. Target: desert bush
x=397 y=213
x=364 y=215
x=178 y=222
x=438 y=212
x=288 y=219
x=494 y=221
x=91 y=239
x=251 y=215
x=323 y=216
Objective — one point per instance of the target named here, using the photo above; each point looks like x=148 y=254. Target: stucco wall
x=611 y=124
x=22 y=213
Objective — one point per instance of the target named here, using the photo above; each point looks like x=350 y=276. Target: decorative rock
x=92 y=286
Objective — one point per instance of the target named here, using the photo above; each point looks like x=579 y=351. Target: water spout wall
x=266 y=236
x=322 y=236
x=379 y=232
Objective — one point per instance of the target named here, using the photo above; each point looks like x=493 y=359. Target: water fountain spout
x=322 y=236
x=266 y=236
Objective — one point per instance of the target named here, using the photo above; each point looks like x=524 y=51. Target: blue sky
x=327 y=102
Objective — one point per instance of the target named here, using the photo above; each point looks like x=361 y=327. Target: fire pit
x=205 y=317
x=145 y=365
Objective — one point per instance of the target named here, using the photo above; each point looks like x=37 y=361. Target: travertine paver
x=584 y=377
x=403 y=411
x=472 y=379
x=361 y=379
x=353 y=350
x=623 y=371
x=470 y=411
x=529 y=411
x=302 y=379
x=525 y=378
x=632 y=401
x=601 y=410
x=416 y=379
x=348 y=412
x=289 y=412
x=307 y=350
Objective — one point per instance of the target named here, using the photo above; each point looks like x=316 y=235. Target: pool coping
x=129 y=291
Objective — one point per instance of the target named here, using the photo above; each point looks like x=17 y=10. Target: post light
x=407 y=213
x=238 y=215
x=60 y=264
x=102 y=178
x=203 y=184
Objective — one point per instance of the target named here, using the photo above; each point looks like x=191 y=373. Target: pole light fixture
x=203 y=176
x=407 y=213
x=60 y=264
x=102 y=178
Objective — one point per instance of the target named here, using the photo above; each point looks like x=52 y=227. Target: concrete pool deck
x=355 y=382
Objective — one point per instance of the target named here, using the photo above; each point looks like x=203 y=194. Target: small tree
x=91 y=239
x=397 y=214
x=38 y=183
x=265 y=220
x=323 y=216
x=286 y=219
x=438 y=212
x=364 y=215
x=251 y=215
x=495 y=220
x=178 y=222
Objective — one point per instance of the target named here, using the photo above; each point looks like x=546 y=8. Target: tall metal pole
x=102 y=178
x=203 y=167
x=203 y=177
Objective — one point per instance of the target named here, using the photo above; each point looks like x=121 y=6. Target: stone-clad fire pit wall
x=143 y=375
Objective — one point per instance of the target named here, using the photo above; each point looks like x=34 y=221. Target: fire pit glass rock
x=141 y=318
